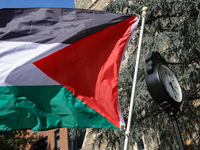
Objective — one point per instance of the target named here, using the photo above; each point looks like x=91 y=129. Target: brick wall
x=50 y=134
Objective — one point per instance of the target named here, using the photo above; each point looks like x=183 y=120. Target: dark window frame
x=140 y=145
x=57 y=138
x=41 y=144
x=75 y=144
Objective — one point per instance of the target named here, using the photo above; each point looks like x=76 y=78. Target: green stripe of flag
x=43 y=107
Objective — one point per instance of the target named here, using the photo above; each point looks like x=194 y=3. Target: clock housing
x=162 y=87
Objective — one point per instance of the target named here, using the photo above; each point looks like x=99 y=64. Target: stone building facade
x=92 y=4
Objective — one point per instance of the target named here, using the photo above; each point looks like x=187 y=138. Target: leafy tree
x=172 y=27
x=13 y=140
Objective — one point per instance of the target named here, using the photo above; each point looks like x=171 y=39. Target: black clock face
x=170 y=83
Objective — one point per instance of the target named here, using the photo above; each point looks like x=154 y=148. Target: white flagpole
x=144 y=9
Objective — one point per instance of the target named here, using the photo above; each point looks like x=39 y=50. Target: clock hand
x=174 y=87
x=174 y=91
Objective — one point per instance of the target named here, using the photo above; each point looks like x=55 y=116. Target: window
x=76 y=144
x=41 y=144
x=140 y=145
x=80 y=140
x=57 y=140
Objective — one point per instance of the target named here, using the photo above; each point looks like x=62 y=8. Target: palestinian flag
x=59 y=67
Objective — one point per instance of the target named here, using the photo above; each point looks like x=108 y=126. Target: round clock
x=163 y=85
x=170 y=83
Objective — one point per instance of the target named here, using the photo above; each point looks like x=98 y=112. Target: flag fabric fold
x=59 y=67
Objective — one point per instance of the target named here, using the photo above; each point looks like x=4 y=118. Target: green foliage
x=11 y=140
x=173 y=28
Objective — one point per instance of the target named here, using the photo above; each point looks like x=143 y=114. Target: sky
x=36 y=3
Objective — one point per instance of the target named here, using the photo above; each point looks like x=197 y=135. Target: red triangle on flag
x=89 y=68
